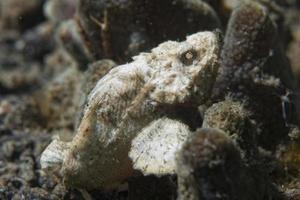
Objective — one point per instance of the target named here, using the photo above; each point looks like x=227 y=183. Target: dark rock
x=235 y=120
x=210 y=167
x=120 y=29
x=150 y=187
x=254 y=71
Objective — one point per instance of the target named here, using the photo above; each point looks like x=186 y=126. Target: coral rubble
x=211 y=112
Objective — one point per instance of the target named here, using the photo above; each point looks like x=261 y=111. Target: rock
x=121 y=29
x=209 y=166
x=15 y=14
x=71 y=41
x=254 y=71
x=235 y=120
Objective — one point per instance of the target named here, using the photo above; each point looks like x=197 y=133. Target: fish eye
x=188 y=57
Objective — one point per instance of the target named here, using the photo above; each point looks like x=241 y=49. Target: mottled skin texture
x=91 y=76
x=128 y=98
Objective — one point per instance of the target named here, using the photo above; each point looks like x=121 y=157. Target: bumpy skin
x=128 y=98
x=91 y=76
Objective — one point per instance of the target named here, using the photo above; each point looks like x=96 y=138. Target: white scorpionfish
x=125 y=119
